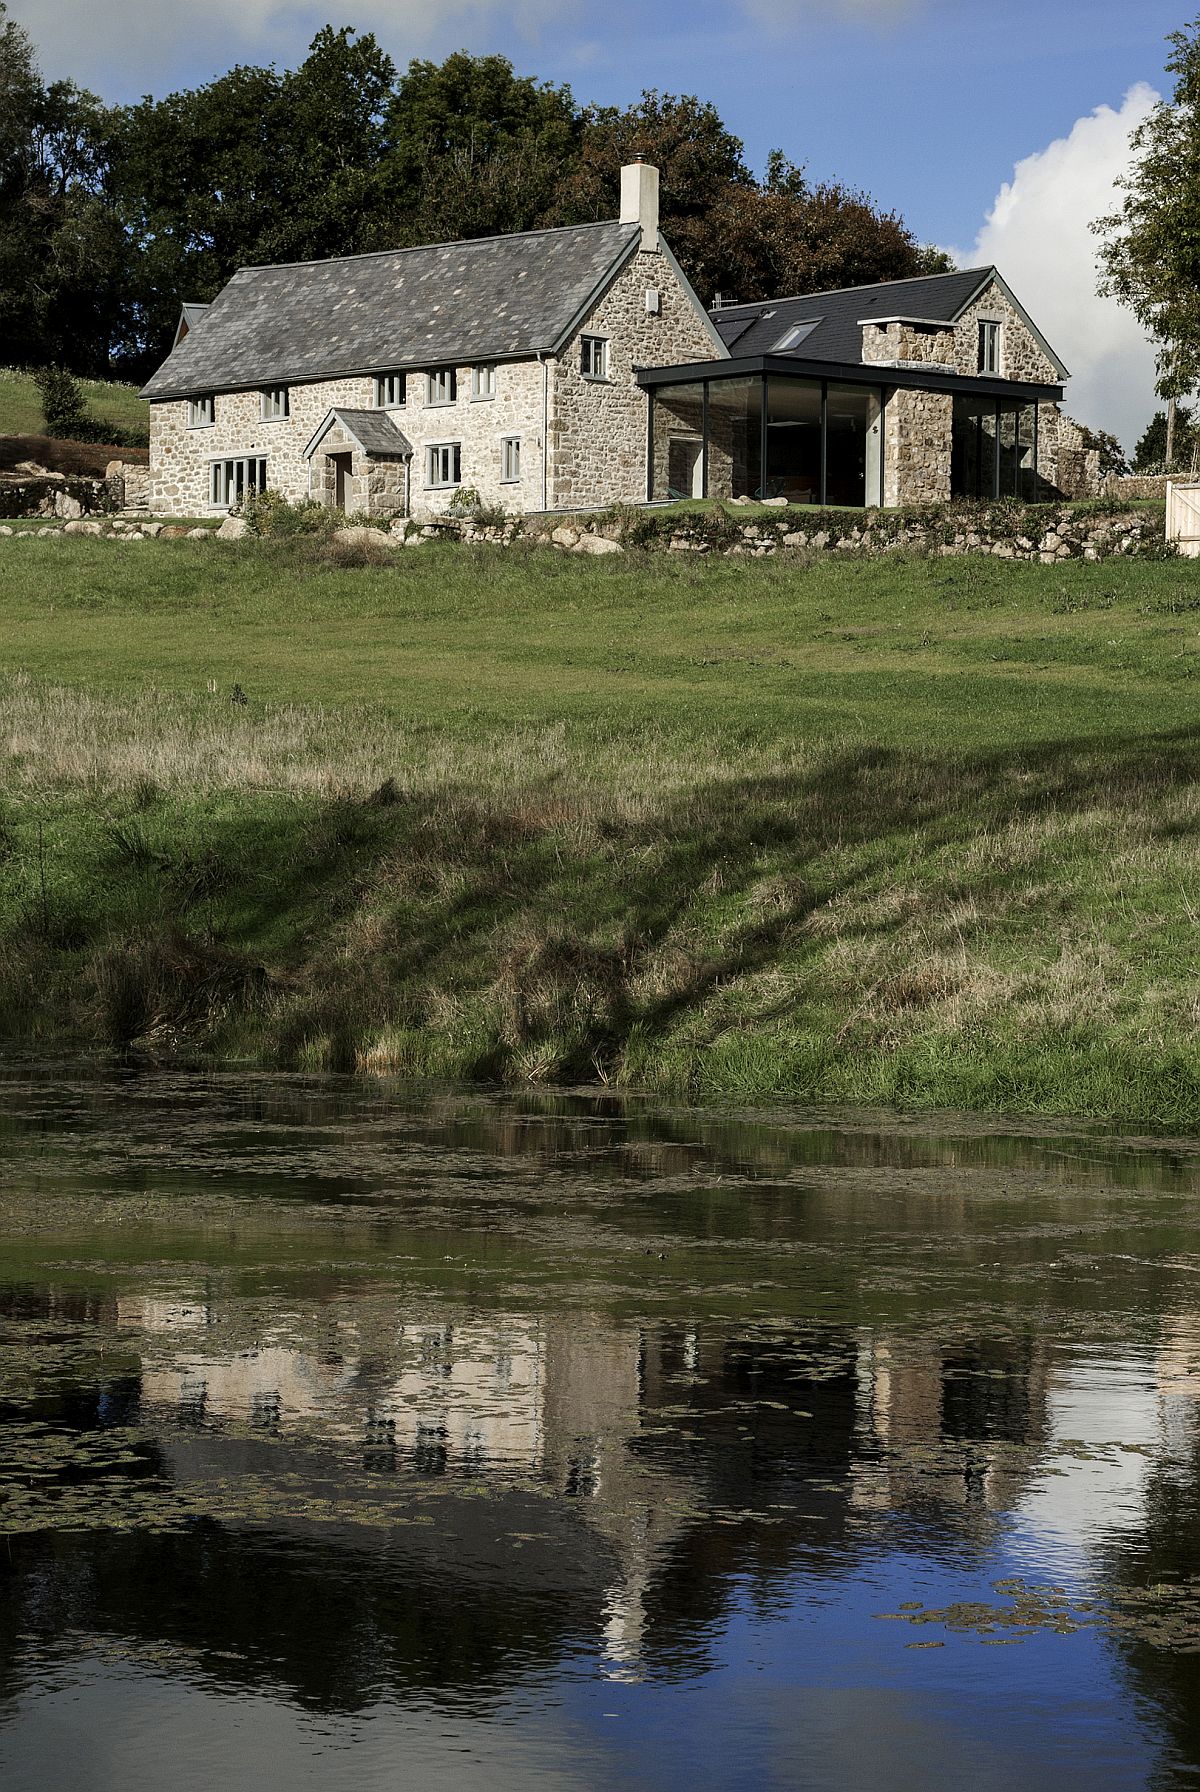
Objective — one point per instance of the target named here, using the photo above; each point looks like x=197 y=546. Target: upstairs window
x=389 y=391
x=593 y=357
x=441 y=385
x=202 y=412
x=232 y=480
x=510 y=460
x=483 y=380
x=989 y=348
x=443 y=464
x=276 y=404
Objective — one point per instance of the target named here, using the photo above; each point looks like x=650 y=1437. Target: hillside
x=107 y=400
x=919 y=832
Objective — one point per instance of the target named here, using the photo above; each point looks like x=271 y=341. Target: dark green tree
x=63 y=256
x=1150 y=455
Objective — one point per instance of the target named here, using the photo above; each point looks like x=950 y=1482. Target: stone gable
x=598 y=429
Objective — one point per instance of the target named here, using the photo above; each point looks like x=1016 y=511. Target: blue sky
x=927 y=104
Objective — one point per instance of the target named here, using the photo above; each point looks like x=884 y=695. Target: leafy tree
x=1150 y=258
x=732 y=234
x=1112 y=455
x=254 y=167
x=1150 y=455
x=63 y=256
x=476 y=150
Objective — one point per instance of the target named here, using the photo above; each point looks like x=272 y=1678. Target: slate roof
x=937 y=298
x=374 y=431
x=483 y=300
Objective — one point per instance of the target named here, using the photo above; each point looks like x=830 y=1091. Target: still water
x=371 y=1437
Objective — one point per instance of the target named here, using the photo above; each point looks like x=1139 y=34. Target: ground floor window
x=810 y=441
x=443 y=463
x=510 y=460
x=231 y=480
x=994 y=449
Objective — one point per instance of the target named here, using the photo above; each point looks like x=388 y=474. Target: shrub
x=271 y=514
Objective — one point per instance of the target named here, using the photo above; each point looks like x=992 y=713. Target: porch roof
x=852 y=373
x=373 y=431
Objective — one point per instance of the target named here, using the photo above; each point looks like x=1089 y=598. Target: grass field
x=107 y=400
x=920 y=831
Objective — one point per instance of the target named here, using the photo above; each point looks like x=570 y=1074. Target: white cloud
x=1037 y=233
x=782 y=15
x=153 y=45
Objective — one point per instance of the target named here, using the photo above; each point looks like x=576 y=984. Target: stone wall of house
x=1021 y=355
x=916 y=447
x=597 y=433
x=180 y=457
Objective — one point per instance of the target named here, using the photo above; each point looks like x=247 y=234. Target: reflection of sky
x=1100 y=1402
x=818 y=1694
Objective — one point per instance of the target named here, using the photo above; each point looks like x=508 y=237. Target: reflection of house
x=561 y=369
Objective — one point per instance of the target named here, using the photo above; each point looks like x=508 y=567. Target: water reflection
x=369 y=1405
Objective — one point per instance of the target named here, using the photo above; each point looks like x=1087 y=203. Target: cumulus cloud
x=1037 y=233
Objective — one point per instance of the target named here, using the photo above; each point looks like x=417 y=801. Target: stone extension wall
x=1021 y=355
x=597 y=432
x=916 y=447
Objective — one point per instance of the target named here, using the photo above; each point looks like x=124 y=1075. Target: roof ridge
x=833 y=292
x=464 y=242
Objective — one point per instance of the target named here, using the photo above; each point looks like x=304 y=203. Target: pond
x=370 y=1436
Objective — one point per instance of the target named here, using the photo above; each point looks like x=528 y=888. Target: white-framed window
x=593 y=357
x=202 y=412
x=390 y=391
x=276 y=404
x=441 y=385
x=989 y=347
x=483 y=380
x=443 y=464
x=510 y=460
x=232 y=480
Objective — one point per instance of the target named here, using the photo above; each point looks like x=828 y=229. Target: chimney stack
x=639 y=201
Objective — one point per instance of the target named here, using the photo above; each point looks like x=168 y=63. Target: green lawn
x=917 y=831
x=107 y=400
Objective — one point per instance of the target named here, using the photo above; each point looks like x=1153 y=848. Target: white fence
x=1183 y=518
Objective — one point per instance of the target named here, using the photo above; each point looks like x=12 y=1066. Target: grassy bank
x=911 y=831
x=108 y=401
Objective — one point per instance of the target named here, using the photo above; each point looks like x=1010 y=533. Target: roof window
x=793 y=337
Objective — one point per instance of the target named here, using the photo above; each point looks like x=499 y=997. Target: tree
x=733 y=234
x=1112 y=455
x=254 y=167
x=1150 y=455
x=63 y=255
x=1150 y=259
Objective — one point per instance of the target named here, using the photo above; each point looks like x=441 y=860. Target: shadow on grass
x=527 y=934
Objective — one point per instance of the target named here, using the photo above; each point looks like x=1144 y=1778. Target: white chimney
x=639 y=201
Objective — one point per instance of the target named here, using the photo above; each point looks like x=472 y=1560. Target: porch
x=359 y=462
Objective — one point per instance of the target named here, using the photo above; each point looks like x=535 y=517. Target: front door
x=343 y=465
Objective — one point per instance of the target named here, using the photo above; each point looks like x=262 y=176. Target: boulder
x=79 y=526
x=152 y=529
x=776 y=503
x=205 y=534
x=234 y=528
x=565 y=537
x=598 y=544
x=66 y=505
x=360 y=536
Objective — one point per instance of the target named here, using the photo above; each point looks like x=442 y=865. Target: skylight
x=793 y=337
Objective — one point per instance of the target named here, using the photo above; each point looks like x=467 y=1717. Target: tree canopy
x=1150 y=259
x=111 y=216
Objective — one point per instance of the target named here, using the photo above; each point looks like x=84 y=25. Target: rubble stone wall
x=598 y=428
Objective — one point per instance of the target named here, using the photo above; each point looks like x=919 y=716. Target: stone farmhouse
x=560 y=370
